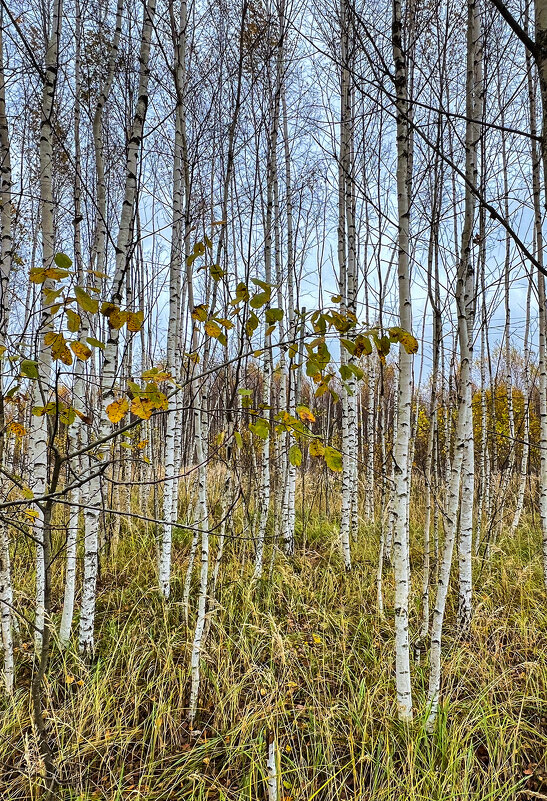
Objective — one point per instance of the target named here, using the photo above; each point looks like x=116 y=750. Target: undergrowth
x=302 y=654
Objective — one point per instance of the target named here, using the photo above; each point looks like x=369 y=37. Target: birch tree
x=401 y=444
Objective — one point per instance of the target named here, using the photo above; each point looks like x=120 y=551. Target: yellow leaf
x=157 y=376
x=117 y=318
x=135 y=321
x=305 y=414
x=142 y=408
x=59 y=348
x=16 y=429
x=117 y=409
x=38 y=275
x=212 y=329
x=80 y=350
x=142 y=444
x=317 y=448
x=409 y=342
x=200 y=313
x=69 y=679
x=33 y=513
x=51 y=295
x=107 y=308
x=160 y=401
x=73 y=321
x=226 y=323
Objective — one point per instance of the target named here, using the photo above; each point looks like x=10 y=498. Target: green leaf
x=312 y=368
x=216 y=272
x=295 y=455
x=29 y=368
x=252 y=324
x=347 y=370
x=63 y=261
x=11 y=392
x=274 y=316
x=260 y=427
x=260 y=299
x=86 y=302
x=67 y=415
x=242 y=294
x=362 y=345
x=333 y=459
x=349 y=345
x=385 y=345
x=95 y=343
x=136 y=390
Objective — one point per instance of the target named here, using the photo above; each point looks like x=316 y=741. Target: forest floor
x=303 y=654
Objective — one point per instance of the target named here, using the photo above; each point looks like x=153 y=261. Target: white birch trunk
x=273 y=778
x=6 y=252
x=271 y=177
x=109 y=368
x=203 y=524
x=466 y=308
x=526 y=433
x=172 y=433
x=401 y=445
x=39 y=425
x=462 y=460
x=6 y=604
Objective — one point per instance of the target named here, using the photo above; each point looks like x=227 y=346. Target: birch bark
x=109 y=367
x=401 y=445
